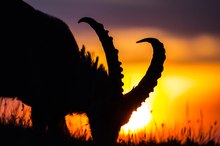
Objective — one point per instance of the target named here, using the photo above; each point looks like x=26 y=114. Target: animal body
x=41 y=63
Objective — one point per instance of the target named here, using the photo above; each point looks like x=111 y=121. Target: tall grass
x=13 y=111
x=188 y=133
x=15 y=123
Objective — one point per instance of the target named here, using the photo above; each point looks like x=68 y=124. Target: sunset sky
x=190 y=31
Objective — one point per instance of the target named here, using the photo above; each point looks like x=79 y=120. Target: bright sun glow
x=169 y=86
x=139 y=118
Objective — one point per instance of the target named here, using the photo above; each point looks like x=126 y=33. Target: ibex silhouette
x=41 y=63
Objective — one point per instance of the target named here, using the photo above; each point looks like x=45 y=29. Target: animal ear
x=138 y=94
x=114 y=68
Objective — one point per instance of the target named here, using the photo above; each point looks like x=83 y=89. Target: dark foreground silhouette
x=41 y=64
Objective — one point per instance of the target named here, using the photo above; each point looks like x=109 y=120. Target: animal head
x=114 y=76
x=109 y=109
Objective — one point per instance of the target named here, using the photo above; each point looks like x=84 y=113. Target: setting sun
x=169 y=86
x=139 y=118
x=78 y=73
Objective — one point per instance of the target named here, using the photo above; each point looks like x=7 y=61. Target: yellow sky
x=191 y=72
x=189 y=87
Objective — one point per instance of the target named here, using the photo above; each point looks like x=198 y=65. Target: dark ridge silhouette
x=41 y=64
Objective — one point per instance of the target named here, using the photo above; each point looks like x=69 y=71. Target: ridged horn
x=138 y=94
x=114 y=69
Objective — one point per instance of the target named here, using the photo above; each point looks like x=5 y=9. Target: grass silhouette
x=15 y=129
x=184 y=136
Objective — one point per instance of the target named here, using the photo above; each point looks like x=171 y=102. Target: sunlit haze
x=189 y=88
x=189 y=84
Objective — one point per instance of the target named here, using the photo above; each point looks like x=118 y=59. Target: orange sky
x=190 y=84
x=189 y=31
x=189 y=87
x=190 y=77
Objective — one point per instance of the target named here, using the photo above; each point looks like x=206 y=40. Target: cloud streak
x=187 y=17
x=186 y=20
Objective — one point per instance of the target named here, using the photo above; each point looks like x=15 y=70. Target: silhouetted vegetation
x=16 y=135
x=42 y=65
x=13 y=132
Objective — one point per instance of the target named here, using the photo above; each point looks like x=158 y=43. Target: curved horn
x=138 y=94
x=114 y=69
